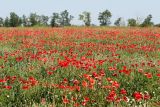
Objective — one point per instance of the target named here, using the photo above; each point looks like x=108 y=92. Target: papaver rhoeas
x=138 y=96
x=84 y=84
x=8 y=87
x=148 y=75
x=158 y=75
x=63 y=63
x=19 y=59
x=147 y=96
x=65 y=100
x=111 y=97
x=25 y=87
x=123 y=91
x=2 y=80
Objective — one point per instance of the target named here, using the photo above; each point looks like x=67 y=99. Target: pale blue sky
x=119 y=8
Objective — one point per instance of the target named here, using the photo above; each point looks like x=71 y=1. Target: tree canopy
x=64 y=19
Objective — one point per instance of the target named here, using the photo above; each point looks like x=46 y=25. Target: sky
x=119 y=8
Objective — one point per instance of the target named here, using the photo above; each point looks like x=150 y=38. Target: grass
x=78 y=66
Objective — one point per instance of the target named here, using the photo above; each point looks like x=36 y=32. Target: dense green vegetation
x=64 y=19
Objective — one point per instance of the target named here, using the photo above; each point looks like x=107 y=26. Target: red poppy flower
x=65 y=100
x=158 y=75
x=25 y=87
x=84 y=84
x=123 y=91
x=138 y=96
x=19 y=59
x=8 y=87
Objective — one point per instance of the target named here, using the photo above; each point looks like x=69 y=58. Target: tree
x=1 y=22
x=118 y=22
x=55 y=20
x=24 y=21
x=44 y=20
x=86 y=18
x=139 y=20
x=34 y=19
x=147 y=22
x=132 y=22
x=65 y=18
x=6 y=22
x=104 y=18
x=20 y=21
x=14 y=20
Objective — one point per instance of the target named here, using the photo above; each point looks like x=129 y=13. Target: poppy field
x=80 y=66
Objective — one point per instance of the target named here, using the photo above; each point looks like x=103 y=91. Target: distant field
x=79 y=66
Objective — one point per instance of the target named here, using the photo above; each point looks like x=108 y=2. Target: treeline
x=64 y=19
